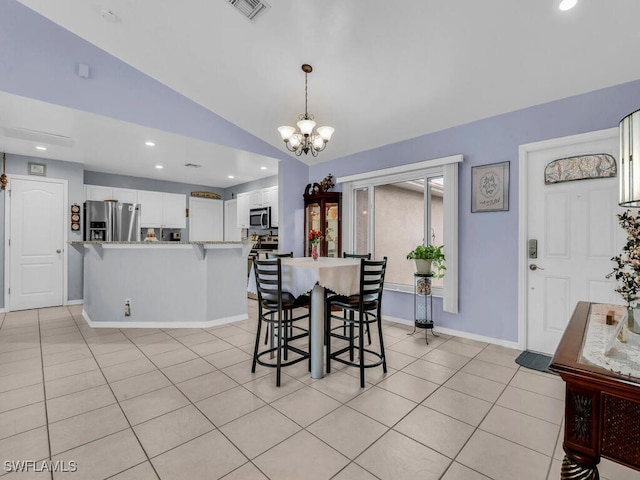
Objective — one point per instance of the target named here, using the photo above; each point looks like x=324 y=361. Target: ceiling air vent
x=192 y=165
x=249 y=8
x=37 y=136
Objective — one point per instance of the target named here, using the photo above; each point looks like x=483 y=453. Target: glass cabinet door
x=313 y=221
x=331 y=230
x=322 y=213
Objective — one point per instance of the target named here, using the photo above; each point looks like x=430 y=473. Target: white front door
x=576 y=229
x=36 y=242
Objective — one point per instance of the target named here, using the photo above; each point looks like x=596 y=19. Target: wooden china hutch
x=322 y=212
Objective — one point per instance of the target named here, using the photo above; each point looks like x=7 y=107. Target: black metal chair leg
x=285 y=336
x=361 y=350
x=384 y=357
x=279 y=355
x=351 y=338
x=255 y=350
x=327 y=334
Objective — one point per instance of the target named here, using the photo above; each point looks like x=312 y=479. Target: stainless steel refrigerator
x=112 y=221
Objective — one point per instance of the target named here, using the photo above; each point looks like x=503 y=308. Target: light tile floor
x=182 y=403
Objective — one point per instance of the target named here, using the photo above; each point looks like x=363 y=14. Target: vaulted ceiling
x=384 y=71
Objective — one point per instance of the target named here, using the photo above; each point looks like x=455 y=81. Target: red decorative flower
x=315 y=236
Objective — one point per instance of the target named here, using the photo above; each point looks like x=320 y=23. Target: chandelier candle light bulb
x=306 y=140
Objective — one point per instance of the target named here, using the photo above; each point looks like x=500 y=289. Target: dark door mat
x=535 y=361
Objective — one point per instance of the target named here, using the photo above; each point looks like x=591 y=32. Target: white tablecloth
x=299 y=275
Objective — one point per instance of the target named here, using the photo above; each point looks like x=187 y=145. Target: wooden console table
x=602 y=409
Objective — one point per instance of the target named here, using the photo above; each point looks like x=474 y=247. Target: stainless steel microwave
x=260 y=217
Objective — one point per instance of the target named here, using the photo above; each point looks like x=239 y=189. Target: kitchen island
x=164 y=284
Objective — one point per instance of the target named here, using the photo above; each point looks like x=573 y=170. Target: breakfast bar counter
x=164 y=284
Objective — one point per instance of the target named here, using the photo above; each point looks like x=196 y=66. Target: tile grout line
x=44 y=392
x=121 y=410
x=192 y=404
x=477 y=428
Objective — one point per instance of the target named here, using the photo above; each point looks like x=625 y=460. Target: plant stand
x=423 y=304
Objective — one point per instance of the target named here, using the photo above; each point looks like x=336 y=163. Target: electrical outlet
x=127 y=307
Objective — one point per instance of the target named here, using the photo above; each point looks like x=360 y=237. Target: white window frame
x=446 y=167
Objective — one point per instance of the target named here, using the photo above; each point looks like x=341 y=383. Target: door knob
x=58 y=251
x=533 y=266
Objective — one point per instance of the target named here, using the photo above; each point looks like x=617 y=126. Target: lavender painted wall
x=38 y=59
x=488 y=242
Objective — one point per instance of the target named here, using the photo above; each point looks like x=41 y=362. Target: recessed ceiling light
x=159 y=167
x=41 y=148
x=230 y=176
x=567 y=4
x=150 y=144
x=263 y=168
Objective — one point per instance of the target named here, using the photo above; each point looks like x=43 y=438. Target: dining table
x=302 y=275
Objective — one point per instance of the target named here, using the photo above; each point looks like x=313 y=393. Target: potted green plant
x=428 y=259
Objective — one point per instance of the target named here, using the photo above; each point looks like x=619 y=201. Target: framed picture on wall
x=37 y=168
x=490 y=188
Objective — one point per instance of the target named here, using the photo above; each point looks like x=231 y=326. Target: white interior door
x=205 y=219
x=36 y=243
x=577 y=233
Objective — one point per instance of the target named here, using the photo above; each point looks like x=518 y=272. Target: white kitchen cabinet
x=265 y=197
x=125 y=195
x=256 y=199
x=271 y=194
x=101 y=193
x=151 y=211
x=174 y=210
x=205 y=220
x=161 y=209
x=244 y=205
x=232 y=233
x=98 y=193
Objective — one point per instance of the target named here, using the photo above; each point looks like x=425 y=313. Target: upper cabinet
x=266 y=197
x=174 y=214
x=151 y=212
x=272 y=201
x=100 y=193
x=244 y=205
x=157 y=209
x=125 y=195
x=161 y=209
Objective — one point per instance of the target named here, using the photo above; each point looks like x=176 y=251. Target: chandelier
x=306 y=139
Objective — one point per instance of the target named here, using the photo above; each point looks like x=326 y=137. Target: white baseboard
x=75 y=302
x=458 y=333
x=126 y=324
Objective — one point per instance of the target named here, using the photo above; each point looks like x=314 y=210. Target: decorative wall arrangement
x=580 y=167
x=75 y=217
x=211 y=195
x=490 y=188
